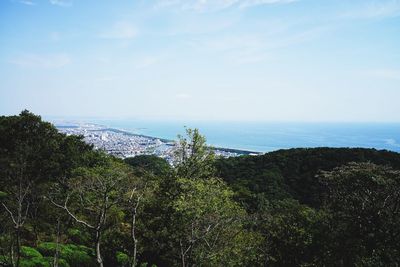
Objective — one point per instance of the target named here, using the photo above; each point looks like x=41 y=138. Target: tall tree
x=91 y=196
x=193 y=158
x=30 y=153
x=291 y=233
x=208 y=223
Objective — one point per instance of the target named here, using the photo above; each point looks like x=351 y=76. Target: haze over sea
x=270 y=136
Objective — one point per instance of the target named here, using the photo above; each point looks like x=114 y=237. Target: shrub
x=28 y=252
x=122 y=258
x=74 y=255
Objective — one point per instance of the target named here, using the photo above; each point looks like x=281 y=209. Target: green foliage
x=74 y=255
x=290 y=228
x=149 y=163
x=193 y=159
x=201 y=197
x=364 y=200
x=209 y=221
x=3 y=194
x=241 y=249
x=122 y=258
x=33 y=154
x=292 y=172
x=42 y=262
x=35 y=262
x=145 y=264
x=45 y=153
x=78 y=235
x=32 y=258
x=97 y=190
x=29 y=252
x=297 y=207
x=61 y=262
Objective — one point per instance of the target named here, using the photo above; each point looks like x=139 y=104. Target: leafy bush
x=35 y=262
x=3 y=194
x=32 y=258
x=61 y=262
x=78 y=236
x=122 y=258
x=28 y=252
x=4 y=260
x=75 y=255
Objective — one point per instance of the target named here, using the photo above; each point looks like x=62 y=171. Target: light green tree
x=193 y=158
x=94 y=196
x=210 y=224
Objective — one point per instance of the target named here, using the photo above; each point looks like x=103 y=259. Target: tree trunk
x=98 y=252
x=183 y=261
x=18 y=246
x=12 y=253
x=134 y=239
x=183 y=254
x=56 y=254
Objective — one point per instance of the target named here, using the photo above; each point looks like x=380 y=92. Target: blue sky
x=255 y=60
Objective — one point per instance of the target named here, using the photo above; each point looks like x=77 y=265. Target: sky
x=234 y=60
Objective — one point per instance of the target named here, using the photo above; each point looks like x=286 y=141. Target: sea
x=270 y=136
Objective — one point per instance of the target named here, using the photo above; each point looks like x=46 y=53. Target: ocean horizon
x=269 y=136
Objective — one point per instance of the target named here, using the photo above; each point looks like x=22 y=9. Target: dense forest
x=65 y=204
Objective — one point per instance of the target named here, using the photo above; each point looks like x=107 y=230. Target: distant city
x=124 y=144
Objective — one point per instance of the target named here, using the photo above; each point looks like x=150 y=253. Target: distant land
x=261 y=137
x=124 y=144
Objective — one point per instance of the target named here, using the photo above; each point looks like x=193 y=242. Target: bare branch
x=11 y=214
x=64 y=207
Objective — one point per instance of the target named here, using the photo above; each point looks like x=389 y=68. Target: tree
x=93 y=194
x=208 y=222
x=133 y=203
x=31 y=154
x=291 y=233
x=364 y=200
x=149 y=164
x=193 y=158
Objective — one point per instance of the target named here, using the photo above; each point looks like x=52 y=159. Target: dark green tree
x=291 y=232
x=32 y=153
x=145 y=164
x=364 y=200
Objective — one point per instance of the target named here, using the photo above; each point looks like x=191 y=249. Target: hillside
x=293 y=172
x=65 y=204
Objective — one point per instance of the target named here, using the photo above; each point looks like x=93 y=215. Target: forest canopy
x=62 y=203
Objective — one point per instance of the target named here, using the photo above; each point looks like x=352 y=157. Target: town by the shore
x=125 y=144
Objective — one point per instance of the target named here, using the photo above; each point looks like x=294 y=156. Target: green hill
x=292 y=172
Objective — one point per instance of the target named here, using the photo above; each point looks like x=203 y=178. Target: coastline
x=253 y=138
x=226 y=149
x=95 y=127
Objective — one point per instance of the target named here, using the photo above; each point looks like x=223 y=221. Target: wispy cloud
x=49 y=61
x=27 y=2
x=103 y=79
x=183 y=96
x=120 y=30
x=214 y=5
x=391 y=74
x=255 y=47
x=375 y=10
x=55 y=36
x=63 y=3
x=238 y=49
x=250 y=3
x=146 y=62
